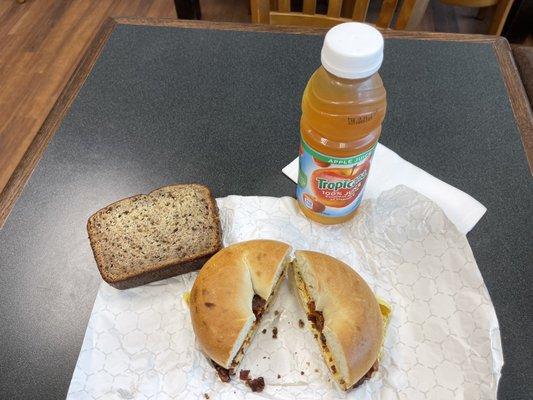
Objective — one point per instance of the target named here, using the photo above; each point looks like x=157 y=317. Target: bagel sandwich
x=345 y=317
x=231 y=293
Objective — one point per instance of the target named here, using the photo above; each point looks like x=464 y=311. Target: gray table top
x=221 y=107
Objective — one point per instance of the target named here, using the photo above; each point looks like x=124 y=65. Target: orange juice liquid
x=340 y=126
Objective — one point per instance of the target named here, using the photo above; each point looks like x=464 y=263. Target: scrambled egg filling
x=385 y=310
x=306 y=299
x=240 y=354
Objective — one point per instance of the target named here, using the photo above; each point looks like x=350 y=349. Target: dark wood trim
x=517 y=96
x=12 y=190
x=388 y=33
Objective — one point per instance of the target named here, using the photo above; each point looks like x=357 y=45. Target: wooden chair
x=278 y=12
x=500 y=12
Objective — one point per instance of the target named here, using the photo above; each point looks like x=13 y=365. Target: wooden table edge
x=24 y=169
x=517 y=96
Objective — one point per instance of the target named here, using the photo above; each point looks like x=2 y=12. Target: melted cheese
x=186 y=296
x=386 y=311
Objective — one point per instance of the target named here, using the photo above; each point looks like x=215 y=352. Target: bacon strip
x=258 y=306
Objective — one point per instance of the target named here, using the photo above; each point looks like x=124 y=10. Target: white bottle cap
x=352 y=50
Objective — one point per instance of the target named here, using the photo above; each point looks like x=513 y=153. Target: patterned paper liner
x=443 y=341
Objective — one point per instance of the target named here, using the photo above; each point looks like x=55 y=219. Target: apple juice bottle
x=343 y=107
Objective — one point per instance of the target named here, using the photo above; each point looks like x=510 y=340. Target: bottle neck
x=347 y=80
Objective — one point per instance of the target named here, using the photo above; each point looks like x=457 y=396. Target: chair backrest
x=278 y=12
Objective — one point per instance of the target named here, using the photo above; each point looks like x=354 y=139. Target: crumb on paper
x=276 y=312
x=301 y=324
x=274 y=333
x=264 y=331
x=279 y=376
x=257 y=385
x=302 y=373
x=206 y=396
x=316 y=370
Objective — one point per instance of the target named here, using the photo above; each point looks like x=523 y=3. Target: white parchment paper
x=390 y=170
x=443 y=341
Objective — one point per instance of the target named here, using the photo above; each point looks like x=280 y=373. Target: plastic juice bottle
x=343 y=107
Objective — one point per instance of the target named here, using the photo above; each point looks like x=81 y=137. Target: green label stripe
x=302 y=179
x=337 y=160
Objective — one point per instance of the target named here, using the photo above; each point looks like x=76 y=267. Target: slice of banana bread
x=144 y=238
